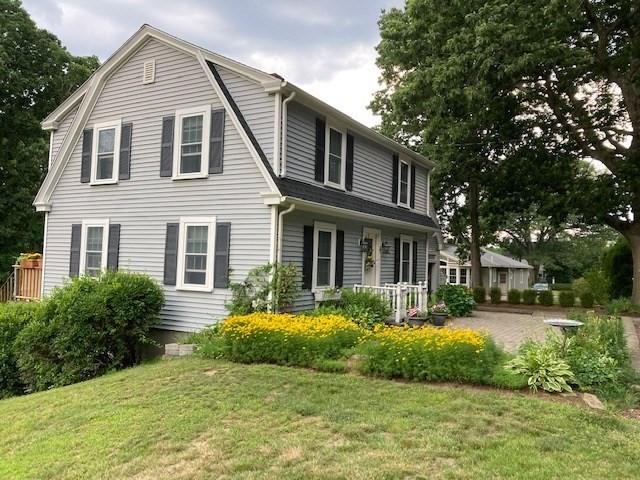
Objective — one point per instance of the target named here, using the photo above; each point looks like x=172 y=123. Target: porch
x=23 y=284
x=401 y=297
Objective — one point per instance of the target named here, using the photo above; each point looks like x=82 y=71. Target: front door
x=372 y=244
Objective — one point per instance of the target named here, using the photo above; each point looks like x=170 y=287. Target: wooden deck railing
x=24 y=283
x=401 y=296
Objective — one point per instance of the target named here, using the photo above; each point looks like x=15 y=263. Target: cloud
x=324 y=47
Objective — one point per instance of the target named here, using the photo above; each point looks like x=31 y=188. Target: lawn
x=193 y=418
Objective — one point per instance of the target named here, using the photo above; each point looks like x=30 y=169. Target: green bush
x=268 y=286
x=558 y=287
x=586 y=300
x=545 y=297
x=543 y=366
x=621 y=305
x=479 y=294
x=88 y=327
x=617 y=265
x=14 y=317
x=514 y=297
x=580 y=286
x=529 y=297
x=495 y=295
x=458 y=298
x=365 y=308
x=567 y=298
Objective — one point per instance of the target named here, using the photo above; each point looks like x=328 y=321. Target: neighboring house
x=194 y=168
x=497 y=270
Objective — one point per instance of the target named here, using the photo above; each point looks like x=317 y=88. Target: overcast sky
x=325 y=47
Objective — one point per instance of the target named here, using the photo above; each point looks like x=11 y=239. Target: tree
x=616 y=264
x=36 y=74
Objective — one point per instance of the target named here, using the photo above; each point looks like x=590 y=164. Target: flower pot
x=30 y=263
x=438 y=319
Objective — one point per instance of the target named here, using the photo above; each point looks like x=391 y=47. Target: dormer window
x=335 y=154
x=404 y=183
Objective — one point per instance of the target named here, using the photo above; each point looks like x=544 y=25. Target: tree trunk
x=633 y=237
x=476 y=267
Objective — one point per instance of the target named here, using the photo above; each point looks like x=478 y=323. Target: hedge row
x=566 y=298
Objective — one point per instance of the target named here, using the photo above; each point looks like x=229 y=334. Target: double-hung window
x=105 y=156
x=463 y=276
x=406 y=258
x=404 y=183
x=335 y=157
x=324 y=255
x=195 y=253
x=192 y=132
x=453 y=276
x=93 y=251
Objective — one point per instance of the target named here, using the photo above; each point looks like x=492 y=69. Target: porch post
x=399 y=302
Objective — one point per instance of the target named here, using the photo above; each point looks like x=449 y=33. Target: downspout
x=276 y=133
x=280 y=231
x=283 y=162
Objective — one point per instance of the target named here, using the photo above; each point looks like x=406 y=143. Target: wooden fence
x=24 y=283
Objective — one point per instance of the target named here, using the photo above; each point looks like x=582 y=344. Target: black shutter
x=412 y=203
x=216 y=141
x=320 y=141
x=74 y=255
x=221 y=268
x=394 y=176
x=171 y=254
x=307 y=257
x=414 y=267
x=396 y=260
x=349 y=179
x=113 y=249
x=125 y=151
x=166 y=149
x=87 y=145
x=339 y=258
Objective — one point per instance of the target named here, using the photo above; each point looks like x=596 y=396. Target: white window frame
x=185 y=222
x=343 y=155
x=331 y=228
x=406 y=239
x=104 y=223
x=466 y=276
x=115 y=171
x=408 y=164
x=456 y=276
x=180 y=115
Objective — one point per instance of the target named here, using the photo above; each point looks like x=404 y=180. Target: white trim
x=104 y=223
x=428 y=192
x=116 y=125
x=406 y=239
x=376 y=233
x=44 y=253
x=273 y=235
x=51 y=134
x=408 y=164
x=343 y=155
x=180 y=115
x=331 y=228
x=185 y=222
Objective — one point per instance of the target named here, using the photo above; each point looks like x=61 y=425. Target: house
x=194 y=168
x=497 y=270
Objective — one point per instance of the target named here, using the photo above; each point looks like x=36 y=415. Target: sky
x=325 y=47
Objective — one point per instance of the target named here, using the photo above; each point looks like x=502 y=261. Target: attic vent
x=149 y=72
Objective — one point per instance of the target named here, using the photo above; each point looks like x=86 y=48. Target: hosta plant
x=544 y=368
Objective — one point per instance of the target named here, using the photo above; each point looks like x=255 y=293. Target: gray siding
x=257 y=107
x=372 y=172
x=293 y=245
x=60 y=133
x=145 y=203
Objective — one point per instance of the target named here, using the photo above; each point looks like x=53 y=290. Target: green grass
x=193 y=418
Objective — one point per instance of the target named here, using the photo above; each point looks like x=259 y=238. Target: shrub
x=430 y=353
x=458 y=299
x=543 y=367
x=529 y=297
x=495 y=295
x=621 y=305
x=546 y=298
x=365 y=308
x=13 y=318
x=87 y=328
x=586 y=300
x=287 y=339
x=514 y=297
x=480 y=294
x=268 y=286
x=580 y=286
x=567 y=298
x=617 y=265
x=558 y=287
x=598 y=284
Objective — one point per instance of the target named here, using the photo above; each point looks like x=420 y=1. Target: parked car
x=541 y=287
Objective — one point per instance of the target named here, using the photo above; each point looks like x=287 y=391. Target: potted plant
x=416 y=317
x=439 y=314
x=29 y=260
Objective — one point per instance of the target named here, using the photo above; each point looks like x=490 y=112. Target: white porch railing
x=401 y=296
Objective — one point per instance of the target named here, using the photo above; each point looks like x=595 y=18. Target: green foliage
x=480 y=294
x=458 y=299
x=586 y=300
x=13 y=318
x=567 y=298
x=330 y=366
x=617 y=264
x=506 y=378
x=36 y=74
x=269 y=286
x=599 y=285
x=543 y=367
x=88 y=327
x=580 y=286
x=559 y=287
x=495 y=295
x=529 y=297
x=364 y=308
x=621 y=305
x=546 y=298
x=514 y=297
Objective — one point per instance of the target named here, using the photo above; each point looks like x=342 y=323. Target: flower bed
x=287 y=339
x=429 y=353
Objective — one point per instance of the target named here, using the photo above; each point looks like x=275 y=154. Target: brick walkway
x=509 y=330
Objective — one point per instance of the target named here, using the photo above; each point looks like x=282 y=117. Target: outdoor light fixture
x=385 y=248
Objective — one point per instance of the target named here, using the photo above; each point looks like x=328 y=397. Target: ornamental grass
x=431 y=354
x=287 y=339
